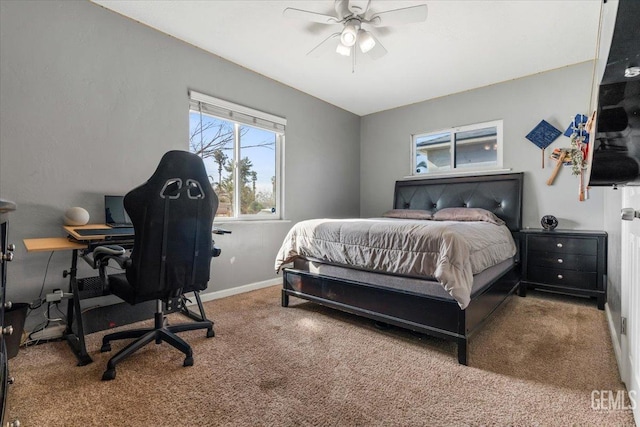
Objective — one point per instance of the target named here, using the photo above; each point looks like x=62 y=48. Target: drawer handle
x=560 y=276
x=559 y=245
x=560 y=261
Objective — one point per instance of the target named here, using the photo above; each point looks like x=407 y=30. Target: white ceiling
x=462 y=45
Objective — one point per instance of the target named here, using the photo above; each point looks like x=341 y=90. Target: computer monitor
x=114 y=213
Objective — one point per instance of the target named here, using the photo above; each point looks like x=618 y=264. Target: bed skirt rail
x=426 y=314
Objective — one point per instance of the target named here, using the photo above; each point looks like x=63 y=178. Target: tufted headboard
x=500 y=194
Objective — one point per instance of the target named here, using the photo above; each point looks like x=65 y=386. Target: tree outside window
x=241 y=163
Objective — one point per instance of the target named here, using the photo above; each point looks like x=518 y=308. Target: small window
x=241 y=149
x=465 y=148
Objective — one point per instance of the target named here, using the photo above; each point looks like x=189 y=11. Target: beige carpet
x=535 y=363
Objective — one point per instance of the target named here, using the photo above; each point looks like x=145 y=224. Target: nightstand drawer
x=564 y=261
x=563 y=244
x=565 y=278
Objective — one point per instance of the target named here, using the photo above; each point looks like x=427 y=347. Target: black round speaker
x=549 y=222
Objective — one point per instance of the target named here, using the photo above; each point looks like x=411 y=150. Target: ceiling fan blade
x=342 y=8
x=358 y=7
x=327 y=45
x=407 y=15
x=378 y=51
x=310 y=16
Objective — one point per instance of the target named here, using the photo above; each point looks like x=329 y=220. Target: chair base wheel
x=210 y=333
x=188 y=361
x=105 y=348
x=109 y=375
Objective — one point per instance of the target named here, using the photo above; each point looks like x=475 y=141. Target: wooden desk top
x=48 y=244
x=71 y=229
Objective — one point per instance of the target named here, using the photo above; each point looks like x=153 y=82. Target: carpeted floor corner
x=535 y=363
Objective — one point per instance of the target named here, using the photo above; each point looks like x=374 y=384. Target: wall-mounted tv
x=616 y=148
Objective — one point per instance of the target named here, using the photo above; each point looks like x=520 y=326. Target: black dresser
x=6 y=255
x=572 y=262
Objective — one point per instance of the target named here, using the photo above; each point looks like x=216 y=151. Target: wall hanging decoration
x=579 y=136
x=543 y=135
x=562 y=156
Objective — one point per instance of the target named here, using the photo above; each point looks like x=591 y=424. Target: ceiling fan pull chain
x=353 y=60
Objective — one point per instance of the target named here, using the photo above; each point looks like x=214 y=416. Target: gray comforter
x=449 y=251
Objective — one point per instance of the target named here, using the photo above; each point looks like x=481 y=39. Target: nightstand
x=572 y=262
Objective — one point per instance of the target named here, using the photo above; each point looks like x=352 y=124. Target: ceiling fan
x=354 y=15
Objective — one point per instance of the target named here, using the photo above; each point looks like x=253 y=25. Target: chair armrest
x=100 y=256
x=113 y=250
x=103 y=254
x=94 y=256
x=215 y=251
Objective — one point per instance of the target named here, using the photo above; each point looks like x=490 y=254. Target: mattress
x=450 y=252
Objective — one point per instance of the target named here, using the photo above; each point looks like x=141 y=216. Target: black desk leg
x=76 y=340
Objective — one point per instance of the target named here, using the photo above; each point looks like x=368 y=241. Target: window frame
x=239 y=116
x=452 y=131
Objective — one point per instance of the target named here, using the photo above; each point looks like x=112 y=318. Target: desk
x=48 y=244
x=75 y=338
x=87 y=243
x=102 y=233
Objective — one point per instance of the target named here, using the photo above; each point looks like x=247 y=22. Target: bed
x=399 y=294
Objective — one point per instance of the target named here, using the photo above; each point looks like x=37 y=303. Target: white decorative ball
x=76 y=216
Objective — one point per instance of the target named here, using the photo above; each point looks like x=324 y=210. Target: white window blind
x=230 y=111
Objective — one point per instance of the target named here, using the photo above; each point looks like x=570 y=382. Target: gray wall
x=555 y=96
x=91 y=100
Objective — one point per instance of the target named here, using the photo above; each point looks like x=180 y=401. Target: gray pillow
x=467 y=214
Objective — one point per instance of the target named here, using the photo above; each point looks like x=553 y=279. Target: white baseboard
x=614 y=340
x=209 y=296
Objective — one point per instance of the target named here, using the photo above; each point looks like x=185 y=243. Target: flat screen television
x=616 y=148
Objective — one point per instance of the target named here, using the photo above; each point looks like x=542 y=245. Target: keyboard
x=104 y=231
x=120 y=225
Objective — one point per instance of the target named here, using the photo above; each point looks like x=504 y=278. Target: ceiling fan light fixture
x=352 y=15
x=365 y=41
x=343 y=50
x=349 y=35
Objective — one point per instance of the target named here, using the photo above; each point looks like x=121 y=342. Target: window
x=241 y=149
x=473 y=147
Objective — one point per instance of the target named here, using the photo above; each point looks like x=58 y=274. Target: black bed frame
x=500 y=194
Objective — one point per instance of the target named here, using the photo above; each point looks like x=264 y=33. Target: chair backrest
x=172 y=215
